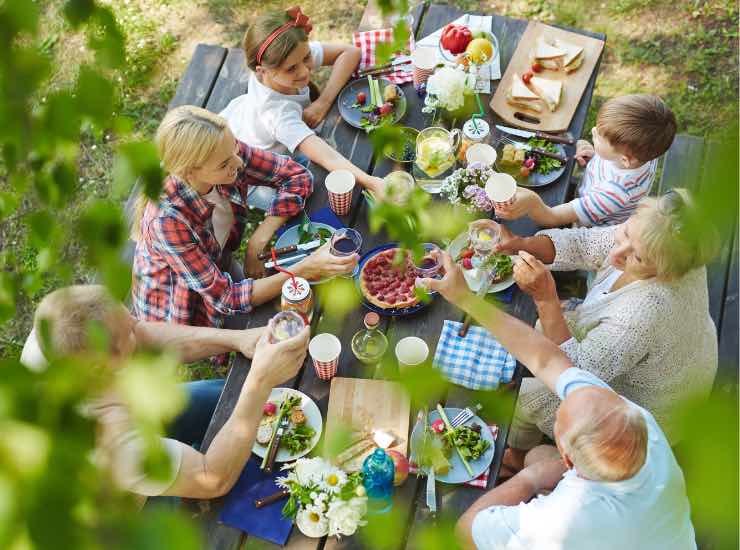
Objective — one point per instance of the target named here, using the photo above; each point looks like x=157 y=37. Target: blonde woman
x=178 y=271
x=644 y=327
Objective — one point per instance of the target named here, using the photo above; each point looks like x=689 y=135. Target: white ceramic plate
x=472 y=276
x=457 y=472
x=313 y=419
x=290 y=237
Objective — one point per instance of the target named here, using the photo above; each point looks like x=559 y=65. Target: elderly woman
x=644 y=327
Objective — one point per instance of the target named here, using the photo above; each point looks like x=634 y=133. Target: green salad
x=545 y=165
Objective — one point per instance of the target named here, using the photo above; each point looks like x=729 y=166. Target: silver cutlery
x=565 y=140
x=539 y=151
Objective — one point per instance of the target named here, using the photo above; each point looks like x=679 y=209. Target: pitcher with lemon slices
x=436 y=150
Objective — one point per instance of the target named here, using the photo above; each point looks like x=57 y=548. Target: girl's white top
x=270 y=120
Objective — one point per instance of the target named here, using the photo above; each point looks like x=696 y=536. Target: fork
x=538 y=150
x=464 y=415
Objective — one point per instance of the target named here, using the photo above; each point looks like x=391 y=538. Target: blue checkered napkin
x=477 y=361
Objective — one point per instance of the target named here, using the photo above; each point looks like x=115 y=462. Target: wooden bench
x=689 y=163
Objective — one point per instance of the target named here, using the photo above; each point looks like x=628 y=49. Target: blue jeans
x=261 y=197
x=191 y=425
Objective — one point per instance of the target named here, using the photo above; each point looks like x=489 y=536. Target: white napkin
x=489 y=72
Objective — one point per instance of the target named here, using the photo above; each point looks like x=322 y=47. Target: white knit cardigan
x=652 y=342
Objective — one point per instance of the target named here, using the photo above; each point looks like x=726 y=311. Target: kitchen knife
x=565 y=140
x=288 y=249
x=264 y=501
x=283 y=261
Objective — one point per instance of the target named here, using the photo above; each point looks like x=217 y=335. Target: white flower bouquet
x=466 y=187
x=447 y=88
x=324 y=500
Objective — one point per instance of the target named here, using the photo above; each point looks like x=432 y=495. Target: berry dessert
x=386 y=284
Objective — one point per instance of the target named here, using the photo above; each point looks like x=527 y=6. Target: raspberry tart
x=386 y=285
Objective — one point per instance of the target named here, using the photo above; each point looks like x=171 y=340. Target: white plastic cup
x=324 y=350
x=423 y=61
x=501 y=189
x=411 y=352
x=339 y=185
x=481 y=152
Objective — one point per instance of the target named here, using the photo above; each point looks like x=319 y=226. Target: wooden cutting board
x=574 y=84
x=365 y=405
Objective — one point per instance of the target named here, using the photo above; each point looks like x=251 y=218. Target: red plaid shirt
x=176 y=274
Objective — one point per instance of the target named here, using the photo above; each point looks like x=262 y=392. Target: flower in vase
x=345 y=517
x=312 y=522
x=309 y=471
x=448 y=86
x=333 y=480
x=481 y=201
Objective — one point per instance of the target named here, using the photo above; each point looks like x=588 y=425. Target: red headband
x=300 y=21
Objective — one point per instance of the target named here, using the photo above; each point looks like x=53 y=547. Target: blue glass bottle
x=377 y=475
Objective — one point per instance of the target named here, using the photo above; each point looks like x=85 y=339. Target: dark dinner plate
x=534 y=179
x=348 y=96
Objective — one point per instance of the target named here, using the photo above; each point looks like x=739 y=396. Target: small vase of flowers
x=323 y=499
x=450 y=93
x=466 y=187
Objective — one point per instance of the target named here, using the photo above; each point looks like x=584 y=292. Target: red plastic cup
x=325 y=349
x=339 y=185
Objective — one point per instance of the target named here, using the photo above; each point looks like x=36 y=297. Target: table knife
x=538 y=150
x=283 y=261
x=273 y=450
x=264 y=501
x=288 y=249
x=565 y=140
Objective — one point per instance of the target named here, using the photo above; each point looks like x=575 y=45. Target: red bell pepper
x=455 y=38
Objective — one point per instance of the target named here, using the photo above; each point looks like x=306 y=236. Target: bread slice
x=548 y=55
x=573 y=55
x=550 y=91
x=522 y=97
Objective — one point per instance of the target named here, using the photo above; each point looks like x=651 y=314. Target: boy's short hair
x=640 y=125
x=68 y=313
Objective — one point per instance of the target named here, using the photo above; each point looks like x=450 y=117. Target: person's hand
x=534 y=278
x=323 y=263
x=452 y=286
x=276 y=363
x=508 y=242
x=525 y=201
x=376 y=186
x=316 y=112
x=247 y=340
x=584 y=152
x=545 y=474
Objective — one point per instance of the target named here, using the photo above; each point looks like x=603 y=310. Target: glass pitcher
x=436 y=150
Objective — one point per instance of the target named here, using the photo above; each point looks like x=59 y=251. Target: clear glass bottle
x=370 y=345
x=378 y=471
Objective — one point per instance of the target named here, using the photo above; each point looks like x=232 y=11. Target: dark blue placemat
x=505 y=295
x=266 y=523
x=325 y=215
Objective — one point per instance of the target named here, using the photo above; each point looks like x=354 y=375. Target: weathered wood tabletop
x=214 y=77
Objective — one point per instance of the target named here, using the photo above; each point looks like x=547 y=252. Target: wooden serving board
x=574 y=84
x=364 y=405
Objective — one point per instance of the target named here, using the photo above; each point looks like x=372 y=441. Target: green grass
x=684 y=50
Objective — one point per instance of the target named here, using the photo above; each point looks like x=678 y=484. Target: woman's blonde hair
x=674 y=236
x=186 y=138
x=260 y=29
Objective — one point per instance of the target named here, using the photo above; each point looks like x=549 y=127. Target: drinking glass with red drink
x=429 y=266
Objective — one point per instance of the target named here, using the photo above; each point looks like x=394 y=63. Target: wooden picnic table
x=214 y=77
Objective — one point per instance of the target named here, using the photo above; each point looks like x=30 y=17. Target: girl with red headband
x=278 y=112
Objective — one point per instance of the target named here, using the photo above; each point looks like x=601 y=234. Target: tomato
x=526 y=77
x=361 y=98
x=536 y=67
x=467 y=263
x=524 y=171
x=467 y=253
x=386 y=108
x=439 y=426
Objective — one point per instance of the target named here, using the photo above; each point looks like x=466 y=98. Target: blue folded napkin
x=505 y=295
x=266 y=523
x=325 y=215
x=477 y=361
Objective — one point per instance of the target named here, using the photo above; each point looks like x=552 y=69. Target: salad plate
x=313 y=420
x=472 y=276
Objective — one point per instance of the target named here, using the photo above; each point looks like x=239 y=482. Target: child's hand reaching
x=525 y=202
x=316 y=112
x=584 y=152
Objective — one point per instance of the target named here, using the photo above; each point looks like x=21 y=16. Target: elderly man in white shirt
x=614 y=480
x=68 y=313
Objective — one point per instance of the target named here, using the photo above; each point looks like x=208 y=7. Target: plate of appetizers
x=304 y=429
x=463 y=254
x=528 y=167
x=369 y=103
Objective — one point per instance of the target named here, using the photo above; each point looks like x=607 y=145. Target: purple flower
x=481 y=201
x=471 y=191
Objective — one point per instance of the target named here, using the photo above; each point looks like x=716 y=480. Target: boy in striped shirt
x=631 y=133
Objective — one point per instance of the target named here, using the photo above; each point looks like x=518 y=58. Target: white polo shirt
x=649 y=510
